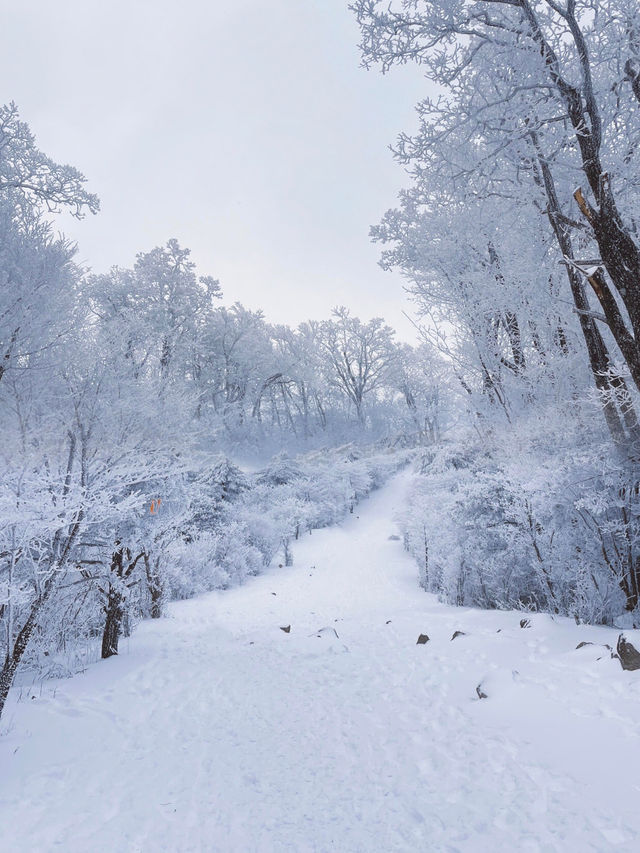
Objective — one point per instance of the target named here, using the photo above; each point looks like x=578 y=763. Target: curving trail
x=217 y=731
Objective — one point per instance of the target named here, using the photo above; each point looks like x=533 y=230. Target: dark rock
x=422 y=639
x=628 y=655
x=480 y=692
x=525 y=623
x=273 y=593
x=459 y=634
x=388 y=622
x=286 y=629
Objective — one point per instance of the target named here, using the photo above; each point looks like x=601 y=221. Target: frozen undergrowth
x=540 y=530
x=233 y=525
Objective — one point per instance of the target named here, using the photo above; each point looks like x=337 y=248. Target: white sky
x=245 y=128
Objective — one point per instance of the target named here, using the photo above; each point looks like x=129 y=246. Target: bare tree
x=359 y=356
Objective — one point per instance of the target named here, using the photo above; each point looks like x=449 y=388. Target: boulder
x=422 y=639
x=628 y=655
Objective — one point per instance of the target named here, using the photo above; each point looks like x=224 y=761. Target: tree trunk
x=113 y=623
x=618 y=250
x=599 y=358
x=154 y=585
x=14 y=656
x=619 y=253
x=509 y=319
x=122 y=567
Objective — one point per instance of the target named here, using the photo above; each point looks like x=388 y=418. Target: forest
x=138 y=406
x=126 y=397
x=324 y=585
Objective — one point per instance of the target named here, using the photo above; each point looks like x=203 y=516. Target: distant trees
x=422 y=381
x=359 y=356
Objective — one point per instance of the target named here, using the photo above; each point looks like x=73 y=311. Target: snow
x=217 y=731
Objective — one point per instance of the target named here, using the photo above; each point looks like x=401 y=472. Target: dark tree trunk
x=630 y=581
x=623 y=337
x=15 y=654
x=154 y=585
x=122 y=567
x=630 y=585
x=599 y=357
x=113 y=624
x=509 y=320
x=633 y=76
x=619 y=253
x=512 y=327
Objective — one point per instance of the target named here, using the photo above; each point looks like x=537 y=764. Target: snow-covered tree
x=359 y=356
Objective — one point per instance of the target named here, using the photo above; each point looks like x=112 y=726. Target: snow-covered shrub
x=536 y=532
x=280 y=471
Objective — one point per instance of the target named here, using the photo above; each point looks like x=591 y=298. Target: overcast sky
x=244 y=128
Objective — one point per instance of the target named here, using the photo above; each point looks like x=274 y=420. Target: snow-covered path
x=220 y=732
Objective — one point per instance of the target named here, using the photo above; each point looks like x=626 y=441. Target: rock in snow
x=628 y=654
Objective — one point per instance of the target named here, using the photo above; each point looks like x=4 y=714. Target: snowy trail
x=220 y=732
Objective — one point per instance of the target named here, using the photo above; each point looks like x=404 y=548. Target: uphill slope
x=218 y=731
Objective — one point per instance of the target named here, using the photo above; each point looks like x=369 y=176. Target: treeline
x=519 y=238
x=118 y=393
